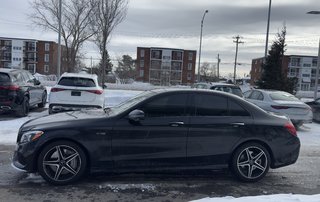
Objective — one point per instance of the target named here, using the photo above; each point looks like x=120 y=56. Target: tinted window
x=247 y=93
x=283 y=96
x=168 y=105
x=237 y=91
x=76 y=81
x=4 y=78
x=210 y=105
x=236 y=110
x=256 y=95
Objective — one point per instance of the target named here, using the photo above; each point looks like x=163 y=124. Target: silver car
x=281 y=103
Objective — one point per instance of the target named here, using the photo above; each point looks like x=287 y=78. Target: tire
x=43 y=100
x=62 y=162
x=24 y=108
x=50 y=110
x=250 y=162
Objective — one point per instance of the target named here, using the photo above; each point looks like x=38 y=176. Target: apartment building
x=294 y=66
x=165 y=66
x=30 y=54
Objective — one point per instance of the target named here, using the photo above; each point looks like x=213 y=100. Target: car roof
x=92 y=76
x=223 y=84
x=193 y=90
x=8 y=70
x=268 y=91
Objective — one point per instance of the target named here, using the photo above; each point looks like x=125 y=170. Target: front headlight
x=30 y=136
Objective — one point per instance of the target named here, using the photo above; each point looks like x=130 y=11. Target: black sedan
x=159 y=130
x=315 y=105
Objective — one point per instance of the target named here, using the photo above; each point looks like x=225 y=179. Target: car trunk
x=291 y=107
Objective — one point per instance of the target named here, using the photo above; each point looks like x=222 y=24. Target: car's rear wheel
x=43 y=100
x=24 y=108
x=62 y=162
x=250 y=162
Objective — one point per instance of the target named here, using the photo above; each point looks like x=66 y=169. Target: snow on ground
x=266 y=198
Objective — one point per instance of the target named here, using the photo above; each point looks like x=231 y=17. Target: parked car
x=315 y=105
x=156 y=131
x=19 y=91
x=75 y=91
x=282 y=103
x=229 y=88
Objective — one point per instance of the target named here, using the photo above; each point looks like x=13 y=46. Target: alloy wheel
x=61 y=163
x=252 y=162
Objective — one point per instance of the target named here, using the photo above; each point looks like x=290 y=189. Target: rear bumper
x=286 y=155
x=307 y=118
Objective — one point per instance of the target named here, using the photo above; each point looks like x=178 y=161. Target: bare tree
x=76 y=18
x=107 y=15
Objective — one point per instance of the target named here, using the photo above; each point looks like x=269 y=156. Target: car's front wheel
x=62 y=162
x=250 y=162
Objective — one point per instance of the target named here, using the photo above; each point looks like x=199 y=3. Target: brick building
x=166 y=66
x=30 y=54
x=294 y=66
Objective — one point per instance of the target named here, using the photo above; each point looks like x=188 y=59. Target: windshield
x=283 y=96
x=129 y=103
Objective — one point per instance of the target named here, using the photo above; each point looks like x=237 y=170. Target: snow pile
x=115 y=97
x=265 y=198
x=122 y=187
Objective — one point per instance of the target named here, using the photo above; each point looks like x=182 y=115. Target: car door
x=156 y=142
x=29 y=85
x=217 y=124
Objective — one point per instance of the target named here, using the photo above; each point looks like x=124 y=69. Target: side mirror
x=36 y=82
x=136 y=115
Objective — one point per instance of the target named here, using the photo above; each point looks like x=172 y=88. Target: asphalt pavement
x=301 y=178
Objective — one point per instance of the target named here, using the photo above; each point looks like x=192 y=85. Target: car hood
x=60 y=118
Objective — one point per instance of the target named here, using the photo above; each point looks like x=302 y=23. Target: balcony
x=31 y=49
x=30 y=60
x=6 y=58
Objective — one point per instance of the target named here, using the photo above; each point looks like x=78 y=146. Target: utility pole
x=91 y=65
x=236 y=56
x=218 y=65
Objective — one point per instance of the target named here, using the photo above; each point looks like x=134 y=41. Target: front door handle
x=176 y=124
x=237 y=124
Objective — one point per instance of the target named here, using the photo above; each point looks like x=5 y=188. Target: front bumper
x=24 y=157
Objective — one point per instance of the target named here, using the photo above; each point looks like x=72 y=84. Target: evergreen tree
x=126 y=69
x=273 y=76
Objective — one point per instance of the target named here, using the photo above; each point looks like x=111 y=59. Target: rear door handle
x=176 y=124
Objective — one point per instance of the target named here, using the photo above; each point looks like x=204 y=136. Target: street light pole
x=204 y=14
x=318 y=63
x=59 y=41
x=267 y=35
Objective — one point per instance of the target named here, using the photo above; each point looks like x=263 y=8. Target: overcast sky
x=176 y=24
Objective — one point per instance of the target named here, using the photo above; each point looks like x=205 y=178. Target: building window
x=314 y=62
x=31 y=68
x=141 y=73
x=176 y=55
x=46 y=57
x=295 y=62
x=190 y=56
x=306 y=65
x=141 y=63
x=189 y=66
x=46 y=68
x=189 y=76
x=156 y=54
x=142 y=53
x=46 y=46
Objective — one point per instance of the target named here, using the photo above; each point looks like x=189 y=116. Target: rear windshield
x=4 y=78
x=237 y=91
x=76 y=81
x=283 y=96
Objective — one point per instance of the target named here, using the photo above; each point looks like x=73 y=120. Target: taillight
x=56 y=90
x=12 y=87
x=98 y=92
x=291 y=129
x=279 y=107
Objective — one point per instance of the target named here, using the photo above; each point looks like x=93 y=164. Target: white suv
x=75 y=91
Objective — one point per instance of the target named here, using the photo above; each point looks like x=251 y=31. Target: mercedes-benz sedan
x=159 y=130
